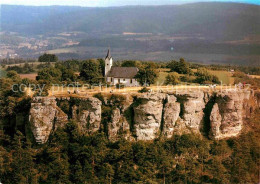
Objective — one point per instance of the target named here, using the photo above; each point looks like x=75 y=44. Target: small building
x=119 y=75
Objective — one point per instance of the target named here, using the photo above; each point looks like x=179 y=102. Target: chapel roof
x=122 y=72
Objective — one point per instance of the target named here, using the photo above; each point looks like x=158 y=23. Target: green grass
x=224 y=76
x=2 y=72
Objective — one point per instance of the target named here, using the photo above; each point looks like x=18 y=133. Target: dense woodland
x=72 y=157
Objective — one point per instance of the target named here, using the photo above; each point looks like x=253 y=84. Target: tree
x=91 y=72
x=147 y=75
x=181 y=67
x=172 y=78
x=102 y=66
x=12 y=75
x=129 y=63
x=77 y=176
x=48 y=58
x=49 y=74
x=204 y=77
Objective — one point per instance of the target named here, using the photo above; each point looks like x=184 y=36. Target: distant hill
x=224 y=21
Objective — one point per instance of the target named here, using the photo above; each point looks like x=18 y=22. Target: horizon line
x=174 y=4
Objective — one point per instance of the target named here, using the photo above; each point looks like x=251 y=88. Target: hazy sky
x=94 y=3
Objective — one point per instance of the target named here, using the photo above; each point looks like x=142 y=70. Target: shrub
x=143 y=90
x=204 y=77
x=172 y=78
x=120 y=86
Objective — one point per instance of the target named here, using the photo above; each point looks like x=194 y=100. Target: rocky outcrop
x=147 y=116
x=45 y=117
x=88 y=113
x=119 y=127
x=231 y=107
x=170 y=115
x=193 y=106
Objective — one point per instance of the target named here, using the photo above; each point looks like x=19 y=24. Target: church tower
x=108 y=62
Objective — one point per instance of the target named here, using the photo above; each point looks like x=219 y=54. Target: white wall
x=126 y=82
x=108 y=65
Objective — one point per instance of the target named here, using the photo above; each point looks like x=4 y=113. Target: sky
x=106 y=3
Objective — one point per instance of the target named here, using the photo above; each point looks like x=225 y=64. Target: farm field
x=31 y=76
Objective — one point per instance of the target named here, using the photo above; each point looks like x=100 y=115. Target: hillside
x=200 y=32
x=211 y=20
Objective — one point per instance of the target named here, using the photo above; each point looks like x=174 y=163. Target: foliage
x=204 y=77
x=91 y=72
x=48 y=58
x=67 y=74
x=147 y=74
x=239 y=74
x=130 y=63
x=143 y=90
x=172 y=78
x=72 y=157
x=187 y=78
x=27 y=68
x=181 y=67
x=120 y=86
x=49 y=74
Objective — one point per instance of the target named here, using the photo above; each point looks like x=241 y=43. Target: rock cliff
x=226 y=118
x=45 y=117
x=88 y=113
x=147 y=116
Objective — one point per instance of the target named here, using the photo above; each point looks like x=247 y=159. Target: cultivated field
x=31 y=76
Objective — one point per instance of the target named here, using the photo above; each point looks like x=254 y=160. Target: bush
x=187 y=78
x=144 y=90
x=48 y=58
x=239 y=74
x=172 y=78
x=147 y=75
x=181 y=67
x=120 y=86
x=204 y=77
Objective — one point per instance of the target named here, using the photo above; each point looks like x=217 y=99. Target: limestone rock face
x=45 y=117
x=228 y=113
x=215 y=119
x=170 y=115
x=148 y=116
x=88 y=114
x=193 y=107
x=118 y=127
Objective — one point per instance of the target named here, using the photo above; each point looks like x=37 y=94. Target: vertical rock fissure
x=181 y=99
x=206 y=118
x=106 y=113
x=162 y=118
